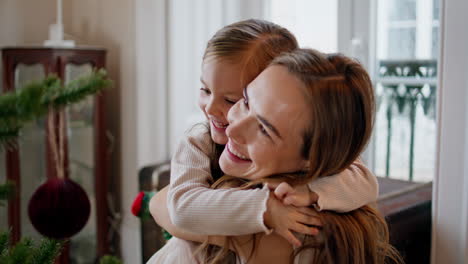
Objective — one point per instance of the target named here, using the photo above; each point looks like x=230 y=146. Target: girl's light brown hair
x=253 y=44
x=340 y=96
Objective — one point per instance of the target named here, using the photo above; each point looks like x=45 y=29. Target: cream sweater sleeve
x=346 y=191
x=194 y=207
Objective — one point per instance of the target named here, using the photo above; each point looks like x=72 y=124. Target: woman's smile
x=235 y=155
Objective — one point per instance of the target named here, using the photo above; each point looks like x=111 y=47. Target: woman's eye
x=205 y=90
x=263 y=130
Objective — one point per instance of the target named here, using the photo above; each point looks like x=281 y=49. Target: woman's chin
x=233 y=166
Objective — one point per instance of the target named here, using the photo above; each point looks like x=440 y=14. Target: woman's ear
x=305 y=164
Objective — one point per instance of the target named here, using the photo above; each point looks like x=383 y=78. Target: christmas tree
x=17 y=108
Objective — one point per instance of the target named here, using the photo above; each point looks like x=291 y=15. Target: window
x=405 y=81
x=405 y=74
x=314 y=23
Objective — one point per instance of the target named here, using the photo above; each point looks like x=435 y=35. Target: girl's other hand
x=298 y=196
x=284 y=219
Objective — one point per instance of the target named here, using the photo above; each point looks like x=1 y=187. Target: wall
x=24 y=22
x=109 y=24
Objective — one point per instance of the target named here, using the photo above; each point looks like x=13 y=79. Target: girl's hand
x=284 y=219
x=297 y=196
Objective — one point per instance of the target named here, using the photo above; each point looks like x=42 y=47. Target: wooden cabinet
x=86 y=155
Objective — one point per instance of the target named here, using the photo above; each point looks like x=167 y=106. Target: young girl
x=316 y=115
x=234 y=57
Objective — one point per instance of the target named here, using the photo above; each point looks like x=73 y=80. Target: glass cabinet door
x=80 y=124
x=32 y=149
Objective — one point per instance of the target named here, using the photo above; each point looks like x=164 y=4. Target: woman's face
x=221 y=89
x=266 y=128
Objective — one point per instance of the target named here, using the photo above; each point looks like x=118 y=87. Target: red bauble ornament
x=59 y=208
x=137 y=203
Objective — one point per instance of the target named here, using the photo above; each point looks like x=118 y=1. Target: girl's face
x=266 y=128
x=221 y=89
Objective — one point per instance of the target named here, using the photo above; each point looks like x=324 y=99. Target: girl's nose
x=212 y=108
x=237 y=124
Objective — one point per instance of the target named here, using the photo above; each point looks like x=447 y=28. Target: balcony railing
x=402 y=87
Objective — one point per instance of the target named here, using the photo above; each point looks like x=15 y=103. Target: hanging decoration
x=59 y=208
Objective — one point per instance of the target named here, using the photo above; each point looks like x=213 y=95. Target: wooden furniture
x=86 y=153
x=405 y=205
x=407 y=209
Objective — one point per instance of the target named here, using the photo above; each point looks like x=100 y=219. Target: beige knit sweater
x=194 y=207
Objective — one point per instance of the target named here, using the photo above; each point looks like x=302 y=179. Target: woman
x=308 y=114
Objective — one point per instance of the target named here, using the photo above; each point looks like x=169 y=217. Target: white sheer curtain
x=191 y=24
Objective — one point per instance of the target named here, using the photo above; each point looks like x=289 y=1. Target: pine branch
x=34 y=100
x=24 y=104
x=46 y=252
x=8 y=135
x=4 y=244
x=25 y=252
x=21 y=252
x=7 y=190
x=109 y=260
x=79 y=89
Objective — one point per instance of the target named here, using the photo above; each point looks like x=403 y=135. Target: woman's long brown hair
x=341 y=104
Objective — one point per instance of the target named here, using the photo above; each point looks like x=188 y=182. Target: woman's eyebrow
x=261 y=118
x=269 y=125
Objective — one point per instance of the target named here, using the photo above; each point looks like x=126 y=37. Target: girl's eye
x=205 y=90
x=229 y=101
x=246 y=102
x=263 y=130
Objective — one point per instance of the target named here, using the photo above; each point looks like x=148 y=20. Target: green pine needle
x=21 y=252
x=7 y=190
x=47 y=251
x=79 y=89
x=109 y=260
x=4 y=244
x=26 y=252
x=34 y=101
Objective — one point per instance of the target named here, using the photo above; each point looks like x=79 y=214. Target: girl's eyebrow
x=262 y=119
x=244 y=92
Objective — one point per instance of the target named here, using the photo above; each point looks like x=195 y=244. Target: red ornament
x=136 y=206
x=59 y=208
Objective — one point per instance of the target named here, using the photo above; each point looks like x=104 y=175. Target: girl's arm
x=194 y=207
x=346 y=191
x=243 y=244
x=160 y=214
x=343 y=192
